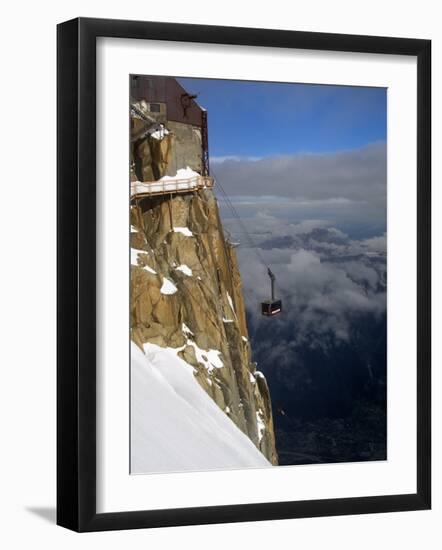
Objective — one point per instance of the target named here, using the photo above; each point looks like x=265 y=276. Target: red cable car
x=272 y=307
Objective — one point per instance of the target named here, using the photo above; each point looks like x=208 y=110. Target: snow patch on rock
x=261 y=425
x=149 y=269
x=209 y=358
x=168 y=287
x=182 y=173
x=186 y=330
x=183 y=230
x=229 y=299
x=184 y=269
x=134 y=252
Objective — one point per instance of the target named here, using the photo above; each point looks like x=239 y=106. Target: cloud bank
x=326 y=279
x=348 y=186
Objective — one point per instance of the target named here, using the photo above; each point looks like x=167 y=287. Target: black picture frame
x=76 y=274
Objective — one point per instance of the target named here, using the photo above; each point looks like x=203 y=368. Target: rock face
x=186 y=295
x=161 y=153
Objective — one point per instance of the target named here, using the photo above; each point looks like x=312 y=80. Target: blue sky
x=299 y=151
x=260 y=119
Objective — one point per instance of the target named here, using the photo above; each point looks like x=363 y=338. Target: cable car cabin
x=270 y=308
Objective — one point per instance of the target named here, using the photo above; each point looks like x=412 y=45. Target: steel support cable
x=240 y=221
x=252 y=242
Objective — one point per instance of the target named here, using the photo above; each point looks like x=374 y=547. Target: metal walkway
x=140 y=189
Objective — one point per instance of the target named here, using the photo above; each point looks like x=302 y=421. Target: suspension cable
x=234 y=212
x=245 y=231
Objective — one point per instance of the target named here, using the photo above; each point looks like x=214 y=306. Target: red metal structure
x=181 y=106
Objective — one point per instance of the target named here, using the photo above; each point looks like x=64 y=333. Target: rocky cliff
x=186 y=295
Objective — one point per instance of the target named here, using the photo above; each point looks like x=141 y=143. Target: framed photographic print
x=243 y=274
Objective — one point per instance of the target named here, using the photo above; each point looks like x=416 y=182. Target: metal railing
x=139 y=189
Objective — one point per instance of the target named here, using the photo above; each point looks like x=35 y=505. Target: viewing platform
x=167 y=185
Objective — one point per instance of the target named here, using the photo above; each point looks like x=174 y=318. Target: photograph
x=258 y=274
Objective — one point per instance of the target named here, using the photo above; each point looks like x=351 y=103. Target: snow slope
x=175 y=425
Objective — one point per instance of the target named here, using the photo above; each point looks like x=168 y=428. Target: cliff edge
x=186 y=296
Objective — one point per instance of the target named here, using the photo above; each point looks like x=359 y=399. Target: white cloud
x=293 y=206
x=376 y=244
x=234 y=158
x=324 y=278
x=345 y=185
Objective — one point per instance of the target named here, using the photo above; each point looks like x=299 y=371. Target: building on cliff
x=187 y=306
x=162 y=108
